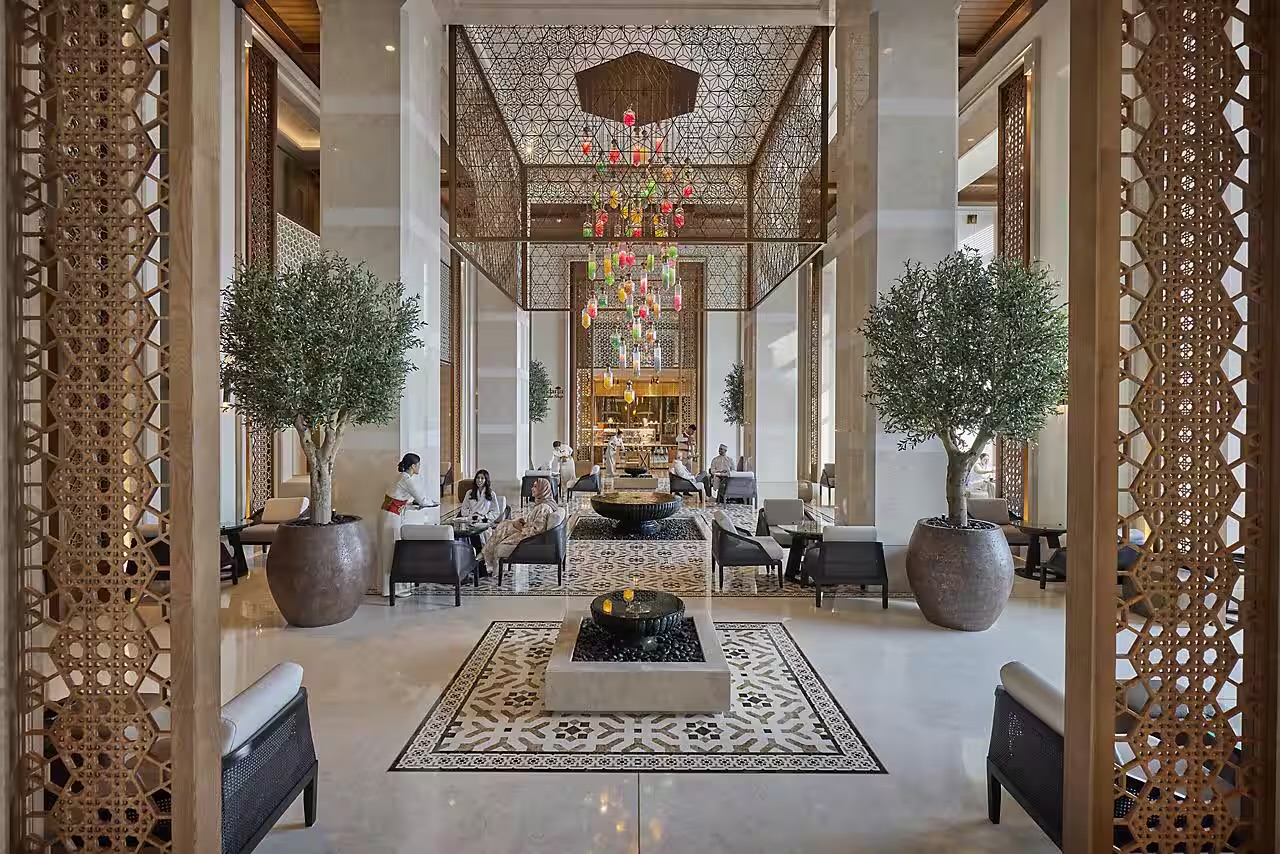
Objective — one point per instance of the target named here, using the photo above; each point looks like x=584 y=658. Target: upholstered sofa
x=996 y=511
x=271 y=516
x=737 y=486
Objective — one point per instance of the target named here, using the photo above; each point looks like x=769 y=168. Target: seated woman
x=480 y=503
x=534 y=522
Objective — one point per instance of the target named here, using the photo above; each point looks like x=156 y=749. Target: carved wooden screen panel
x=89 y=85
x=811 y=365
x=260 y=233
x=1196 y=627
x=582 y=358
x=1013 y=240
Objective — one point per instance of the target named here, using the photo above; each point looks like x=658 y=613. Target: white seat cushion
x=738 y=474
x=771 y=547
x=849 y=533
x=426 y=532
x=723 y=520
x=284 y=509
x=261 y=533
x=248 y=711
x=539 y=473
x=989 y=510
x=1031 y=690
x=783 y=537
x=784 y=511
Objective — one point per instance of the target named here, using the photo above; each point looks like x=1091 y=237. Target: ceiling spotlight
x=391 y=48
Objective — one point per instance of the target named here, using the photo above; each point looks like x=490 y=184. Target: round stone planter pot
x=961 y=577
x=318 y=573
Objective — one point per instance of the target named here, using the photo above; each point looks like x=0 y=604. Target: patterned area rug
x=596 y=528
x=782 y=719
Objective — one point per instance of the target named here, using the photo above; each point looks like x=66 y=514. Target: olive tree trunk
x=958 y=465
x=320 y=445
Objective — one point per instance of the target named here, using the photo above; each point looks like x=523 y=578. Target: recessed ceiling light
x=558 y=219
x=391 y=48
x=970 y=139
x=888 y=51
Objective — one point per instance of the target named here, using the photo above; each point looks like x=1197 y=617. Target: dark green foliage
x=317 y=347
x=967 y=349
x=539 y=391
x=731 y=400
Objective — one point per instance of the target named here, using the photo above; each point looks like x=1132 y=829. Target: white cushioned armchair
x=271 y=516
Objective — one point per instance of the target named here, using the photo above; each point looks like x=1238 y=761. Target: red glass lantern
x=629 y=118
x=678 y=219
x=688 y=191
x=586 y=146
x=666 y=206
x=614 y=154
x=599 y=228
x=593 y=308
x=657 y=145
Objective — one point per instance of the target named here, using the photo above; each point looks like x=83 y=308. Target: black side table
x=802 y=534
x=1052 y=533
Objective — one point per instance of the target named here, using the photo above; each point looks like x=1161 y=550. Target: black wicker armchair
x=264 y=771
x=549 y=547
x=848 y=554
x=429 y=554
x=732 y=547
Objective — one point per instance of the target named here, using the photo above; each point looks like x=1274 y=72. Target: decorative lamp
x=591 y=265
x=586 y=228
x=668 y=174
x=688 y=191
x=608 y=265
x=643 y=311
x=636 y=330
x=648 y=262
x=622 y=294
x=677 y=299
x=629 y=118
x=586 y=145
x=586 y=319
x=657 y=145
x=629 y=393
x=608 y=377
x=622 y=355
x=644 y=283
x=666 y=206
x=615 y=197
x=599 y=228
x=652 y=335
x=678 y=219
x=614 y=154
x=657 y=357
x=639 y=155
x=672 y=252
x=593 y=308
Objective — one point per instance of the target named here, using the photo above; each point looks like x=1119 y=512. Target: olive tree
x=966 y=352
x=317 y=347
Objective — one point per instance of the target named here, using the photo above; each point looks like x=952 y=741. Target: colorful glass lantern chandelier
x=636 y=215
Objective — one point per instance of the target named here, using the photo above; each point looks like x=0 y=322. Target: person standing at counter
x=612 y=451
x=407 y=488
x=562 y=462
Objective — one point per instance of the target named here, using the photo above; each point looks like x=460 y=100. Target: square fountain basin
x=625 y=686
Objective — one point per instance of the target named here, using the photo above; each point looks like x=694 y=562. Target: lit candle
x=607 y=607
x=628 y=594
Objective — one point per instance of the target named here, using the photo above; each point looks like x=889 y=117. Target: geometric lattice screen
x=90 y=175
x=754 y=146
x=1198 y=301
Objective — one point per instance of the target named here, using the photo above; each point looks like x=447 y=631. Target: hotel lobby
x=751 y=427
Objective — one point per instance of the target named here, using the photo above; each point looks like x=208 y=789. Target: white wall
x=723 y=347
x=549 y=344
x=979 y=236
x=1048 y=31
x=501 y=385
x=777 y=391
x=230 y=496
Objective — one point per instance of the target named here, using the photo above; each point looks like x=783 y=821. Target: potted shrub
x=317 y=348
x=963 y=353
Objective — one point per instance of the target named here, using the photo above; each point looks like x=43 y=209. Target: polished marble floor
x=921 y=695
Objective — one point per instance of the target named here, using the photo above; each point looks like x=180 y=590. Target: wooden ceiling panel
x=294 y=25
x=985 y=26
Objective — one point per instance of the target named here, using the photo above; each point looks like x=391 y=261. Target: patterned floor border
x=783 y=719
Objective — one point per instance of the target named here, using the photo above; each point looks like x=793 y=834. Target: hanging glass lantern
x=591 y=264
x=608 y=377
x=629 y=394
x=593 y=308
x=678 y=219
x=598 y=230
x=672 y=252
x=629 y=118
x=608 y=265
x=668 y=174
x=622 y=294
x=648 y=262
x=657 y=145
x=652 y=335
x=657 y=357
x=615 y=197
x=586 y=228
x=622 y=355
x=666 y=206
x=644 y=284
x=614 y=154
x=677 y=299
x=643 y=311
x=636 y=330
x=586 y=319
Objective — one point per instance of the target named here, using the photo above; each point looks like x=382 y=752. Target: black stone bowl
x=636 y=471
x=648 y=616
x=636 y=512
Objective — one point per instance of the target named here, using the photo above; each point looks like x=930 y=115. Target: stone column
x=776 y=377
x=380 y=203
x=501 y=403
x=898 y=162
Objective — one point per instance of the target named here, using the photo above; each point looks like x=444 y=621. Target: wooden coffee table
x=1034 y=532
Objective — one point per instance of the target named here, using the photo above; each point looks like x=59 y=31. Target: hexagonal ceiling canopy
x=654 y=89
x=743 y=74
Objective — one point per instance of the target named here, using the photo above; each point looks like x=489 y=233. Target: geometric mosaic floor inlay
x=594 y=528
x=782 y=717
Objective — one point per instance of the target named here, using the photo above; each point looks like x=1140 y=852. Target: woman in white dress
x=480 y=502
x=407 y=488
x=562 y=462
x=612 y=450
x=534 y=522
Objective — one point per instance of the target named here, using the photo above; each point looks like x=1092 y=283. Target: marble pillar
x=380 y=203
x=897 y=159
x=501 y=386
x=723 y=348
x=776 y=377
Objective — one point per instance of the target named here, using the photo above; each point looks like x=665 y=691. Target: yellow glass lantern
x=629 y=393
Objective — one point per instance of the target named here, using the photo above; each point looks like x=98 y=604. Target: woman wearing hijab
x=535 y=521
x=407 y=488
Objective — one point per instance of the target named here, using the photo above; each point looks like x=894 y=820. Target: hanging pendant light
x=629 y=393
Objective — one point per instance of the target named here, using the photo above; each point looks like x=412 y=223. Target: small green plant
x=731 y=400
x=539 y=391
x=317 y=347
x=963 y=350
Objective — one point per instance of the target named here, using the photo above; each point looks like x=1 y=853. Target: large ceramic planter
x=961 y=577
x=318 y=573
